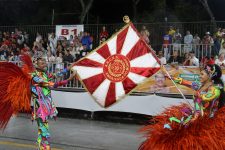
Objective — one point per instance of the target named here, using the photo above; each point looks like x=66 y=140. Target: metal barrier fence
x=200 y=50
x=157 y=30
x=55 y=68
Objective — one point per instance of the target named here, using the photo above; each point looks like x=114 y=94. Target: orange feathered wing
x=15 y=92
x=203 y=133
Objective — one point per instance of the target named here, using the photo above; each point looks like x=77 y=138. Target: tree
x=85 y=9
x=207 y=8
x=135 y=3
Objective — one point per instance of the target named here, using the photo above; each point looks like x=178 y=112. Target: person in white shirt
x=221 y=60
x=188 y=39
x=161 y=57
x=52 y=43
x=222 y=49
x=59 y=60
x=193 y=61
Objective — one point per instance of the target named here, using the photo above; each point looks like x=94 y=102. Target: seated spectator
x=187 y=59
x=161 y=58
x=175 y=58
x=207 y=61
x=67 y=58
x=193 y=61
x=221 y=60
x=4 y=53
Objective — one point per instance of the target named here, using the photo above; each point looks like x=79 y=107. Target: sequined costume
x=18 y=85
x=206 y=100
x=44 y=107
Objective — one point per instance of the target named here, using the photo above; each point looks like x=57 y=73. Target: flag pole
x=164 y=69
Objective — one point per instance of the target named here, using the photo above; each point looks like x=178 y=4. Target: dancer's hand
x=69 y=67
x=72 y=76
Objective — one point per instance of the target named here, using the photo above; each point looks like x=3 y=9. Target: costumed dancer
x=18 y=85
x=44 y=107
x=198 y=127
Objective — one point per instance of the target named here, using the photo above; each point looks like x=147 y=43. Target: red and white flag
x=116 y=67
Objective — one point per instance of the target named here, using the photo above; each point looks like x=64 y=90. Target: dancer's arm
x=193 y=85
x=40 y=82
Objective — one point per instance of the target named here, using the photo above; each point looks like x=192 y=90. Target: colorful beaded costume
x=18 y=86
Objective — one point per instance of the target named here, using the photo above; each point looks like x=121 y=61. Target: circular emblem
x=116 y=68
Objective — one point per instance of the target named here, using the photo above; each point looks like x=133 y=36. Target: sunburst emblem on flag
x=115 y=68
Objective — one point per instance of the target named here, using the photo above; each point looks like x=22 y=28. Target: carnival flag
x=117 y=66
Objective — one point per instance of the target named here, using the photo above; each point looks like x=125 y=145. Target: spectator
x=52 y=43
x=103 y=35
x=175 y=59
x=50 y=57
x=187 y=59
x=193 y=61
x=208 y=42
x=59 y=60
x=171 y=31
x=91 y=39
x=145 y=34
x=26 y=37
x=206 y=61
x=216 y=46
x=167 y=40
x=20 y=38
x=196 y=44
x=161 y=58
x=38 y=38
x=4 y=53
x=67 y=58
x=221 y=60
x=177 y=39
x=222 y=49
x=188 y=39
x=86 y=40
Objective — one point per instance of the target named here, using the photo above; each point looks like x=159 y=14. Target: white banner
x=68 y=30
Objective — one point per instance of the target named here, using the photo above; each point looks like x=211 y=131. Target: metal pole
x=53 y=16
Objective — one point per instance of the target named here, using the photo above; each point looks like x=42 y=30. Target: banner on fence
x=68 y=30
x=160 y=84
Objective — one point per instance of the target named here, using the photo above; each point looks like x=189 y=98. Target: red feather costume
x=13 y=100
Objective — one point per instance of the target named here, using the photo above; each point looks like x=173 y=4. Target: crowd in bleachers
x=185 y=50
x=192 y=50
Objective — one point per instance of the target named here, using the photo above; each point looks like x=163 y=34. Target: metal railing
x=200 y=50
x=55 y=68
x=157 y=30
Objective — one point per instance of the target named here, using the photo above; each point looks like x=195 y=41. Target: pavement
x=71 y=134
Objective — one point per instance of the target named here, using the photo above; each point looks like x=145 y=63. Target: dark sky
x=218 y=8
x=113 y=11
x=102 y=11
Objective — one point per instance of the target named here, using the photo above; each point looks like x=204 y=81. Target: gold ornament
x=126 y=19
